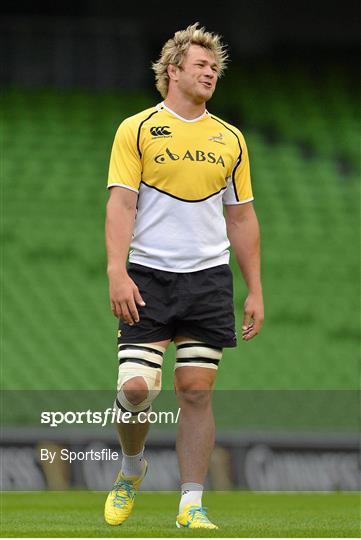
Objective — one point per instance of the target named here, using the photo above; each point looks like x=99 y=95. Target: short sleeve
x=239 y=188
x=125 y=168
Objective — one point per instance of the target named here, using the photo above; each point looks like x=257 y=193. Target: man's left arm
x=243 y=234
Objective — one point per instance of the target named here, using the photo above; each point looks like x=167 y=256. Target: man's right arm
x=120 y=216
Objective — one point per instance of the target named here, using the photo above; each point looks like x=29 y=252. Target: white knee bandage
x=197 y=354
x=141 y=360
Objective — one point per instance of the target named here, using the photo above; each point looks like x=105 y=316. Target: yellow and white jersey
x=183 y=171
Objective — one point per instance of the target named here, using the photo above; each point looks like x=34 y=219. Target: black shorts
x=198 y=305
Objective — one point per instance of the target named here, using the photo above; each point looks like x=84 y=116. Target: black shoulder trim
x=179 y=198
x=239 y=157
x=140 y=127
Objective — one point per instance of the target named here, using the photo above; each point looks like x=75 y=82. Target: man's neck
x=185 y=109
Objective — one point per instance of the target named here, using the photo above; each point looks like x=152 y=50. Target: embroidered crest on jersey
x=217 y=138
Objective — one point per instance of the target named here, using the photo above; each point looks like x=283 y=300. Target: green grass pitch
x=238 y=514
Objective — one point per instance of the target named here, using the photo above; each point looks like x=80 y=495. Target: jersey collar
x=163 y=106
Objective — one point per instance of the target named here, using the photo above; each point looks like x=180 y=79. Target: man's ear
x=172 y=71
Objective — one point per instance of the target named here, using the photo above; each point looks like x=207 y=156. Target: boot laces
x=124 y=491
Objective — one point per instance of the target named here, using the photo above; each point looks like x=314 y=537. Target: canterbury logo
x=160 y=131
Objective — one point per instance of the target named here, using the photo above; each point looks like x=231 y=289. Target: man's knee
x=195 y=398
x=193 y=391
x=139 y=377
x=135 y=390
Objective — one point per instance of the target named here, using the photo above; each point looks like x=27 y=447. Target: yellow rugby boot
x=120 y=500
x=194 y=517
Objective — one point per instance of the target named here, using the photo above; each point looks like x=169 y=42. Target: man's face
x=197 y=77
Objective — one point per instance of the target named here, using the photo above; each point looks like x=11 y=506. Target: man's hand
x=124 y=297
x=253 y=316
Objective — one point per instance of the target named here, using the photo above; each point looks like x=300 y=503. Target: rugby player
x=174 y=168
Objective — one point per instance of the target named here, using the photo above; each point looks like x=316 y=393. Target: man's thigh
x=156 y=322
x=209 y=314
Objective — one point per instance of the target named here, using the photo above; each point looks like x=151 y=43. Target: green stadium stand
x=58 y=331
x=318 y=108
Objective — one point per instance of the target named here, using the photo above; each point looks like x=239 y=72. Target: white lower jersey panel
x=179 y=236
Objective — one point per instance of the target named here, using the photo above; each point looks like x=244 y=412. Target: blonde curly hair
x=175 y=49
